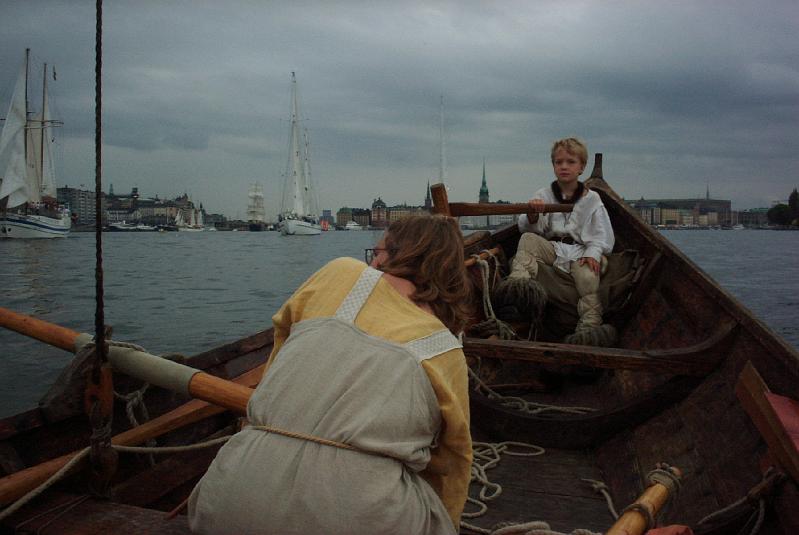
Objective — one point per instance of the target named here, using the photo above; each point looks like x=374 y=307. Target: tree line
x=785 y=214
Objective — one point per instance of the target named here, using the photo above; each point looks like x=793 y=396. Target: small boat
x=352 y=225
x=122 y=226
x=299 y=213
x=28 y=196
x=695 y=381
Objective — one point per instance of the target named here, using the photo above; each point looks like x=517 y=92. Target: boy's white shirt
x=589 y=226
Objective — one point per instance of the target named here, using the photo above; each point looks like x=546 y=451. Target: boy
x=572 y=242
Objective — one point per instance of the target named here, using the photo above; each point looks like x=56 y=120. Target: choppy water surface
x=188 y=292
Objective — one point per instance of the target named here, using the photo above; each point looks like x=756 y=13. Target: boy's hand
x=593 y=264
x=535 y=207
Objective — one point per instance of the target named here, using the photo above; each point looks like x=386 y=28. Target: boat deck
x=546 y=487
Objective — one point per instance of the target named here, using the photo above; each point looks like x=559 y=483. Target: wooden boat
x=682 y=387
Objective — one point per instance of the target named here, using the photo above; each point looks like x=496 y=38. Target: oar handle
x=49 y=333
x=156 y=370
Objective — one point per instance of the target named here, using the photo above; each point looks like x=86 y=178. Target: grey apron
x=334 y=381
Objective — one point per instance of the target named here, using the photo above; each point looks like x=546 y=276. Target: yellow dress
x=390 y=316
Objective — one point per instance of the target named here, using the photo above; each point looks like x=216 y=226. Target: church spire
x=484 y=186
x=428 y=201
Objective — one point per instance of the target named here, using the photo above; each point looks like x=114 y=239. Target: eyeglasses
x=370 y=254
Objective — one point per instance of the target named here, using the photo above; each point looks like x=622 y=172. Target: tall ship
x=255 y=208
x=299 y=214
x=28 y=197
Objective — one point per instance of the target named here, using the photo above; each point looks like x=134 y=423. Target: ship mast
x=442 y=170
x=41 y=133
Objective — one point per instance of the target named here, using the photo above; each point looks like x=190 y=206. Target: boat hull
x=29 y=226
x=296 y=227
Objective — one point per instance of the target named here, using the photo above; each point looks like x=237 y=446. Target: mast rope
x=82 y=454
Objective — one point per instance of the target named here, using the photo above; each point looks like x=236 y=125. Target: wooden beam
x=775 y=416
x=472 y=208
x=440 y=201
x=441 y=205
x=667 y=361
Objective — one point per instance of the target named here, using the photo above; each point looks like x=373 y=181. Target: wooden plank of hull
x=95 y=517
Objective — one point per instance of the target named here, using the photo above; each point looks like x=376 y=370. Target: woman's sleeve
x=327 y=287
x=450 y=465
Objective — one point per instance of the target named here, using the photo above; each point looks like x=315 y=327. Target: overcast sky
x=676 y=95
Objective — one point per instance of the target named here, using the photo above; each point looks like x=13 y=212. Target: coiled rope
x=485 y=457
x=492 y=324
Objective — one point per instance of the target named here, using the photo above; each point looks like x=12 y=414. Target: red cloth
x=671 y=530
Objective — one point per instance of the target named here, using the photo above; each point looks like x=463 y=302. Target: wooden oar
x=222 y=394
x=149 y=368
x=441 y=205
x=634 y=521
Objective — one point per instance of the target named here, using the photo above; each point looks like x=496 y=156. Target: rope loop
x=665 y=475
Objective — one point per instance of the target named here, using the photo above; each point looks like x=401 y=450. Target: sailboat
x=299 y=216
x=255 y=208
x=189 y=220
x=28 y=205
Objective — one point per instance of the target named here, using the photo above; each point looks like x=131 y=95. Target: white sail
x=299 y=215
x=12 y=150
x=47 y=171
x=179 y=221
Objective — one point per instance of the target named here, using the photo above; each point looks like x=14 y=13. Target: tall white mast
x=442 y=170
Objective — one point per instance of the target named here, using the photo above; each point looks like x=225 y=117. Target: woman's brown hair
x=428 y=251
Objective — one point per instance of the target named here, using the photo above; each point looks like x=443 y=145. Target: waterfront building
x=81 y=203
x=379 y=213
x=684 y=211
x=362 y=216
x=343 y=216
x=327 y=216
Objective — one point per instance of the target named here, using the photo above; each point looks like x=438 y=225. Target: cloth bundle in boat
x=561 y=315
x=334 y=381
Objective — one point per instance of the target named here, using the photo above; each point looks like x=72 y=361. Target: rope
x=60 y=474
x=503 y=330
x=522 y=405
x=751 y=501
x=600 y=487
x=644 y=511
x=486 y=456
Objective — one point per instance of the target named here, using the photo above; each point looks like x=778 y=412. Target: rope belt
x=318 y=440
x=568 y=240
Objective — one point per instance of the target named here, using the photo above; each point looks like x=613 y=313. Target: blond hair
x=573 y=146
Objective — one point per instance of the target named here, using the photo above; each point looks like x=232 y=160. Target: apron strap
x=349 y=308
x=433 y=344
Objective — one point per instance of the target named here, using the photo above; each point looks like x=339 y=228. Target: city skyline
x=196 y=98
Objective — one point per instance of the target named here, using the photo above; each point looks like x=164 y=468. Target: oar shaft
x=634 y=522
x=41 y=330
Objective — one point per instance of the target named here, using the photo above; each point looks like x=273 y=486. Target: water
x=188 y=292
x=181 y=292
